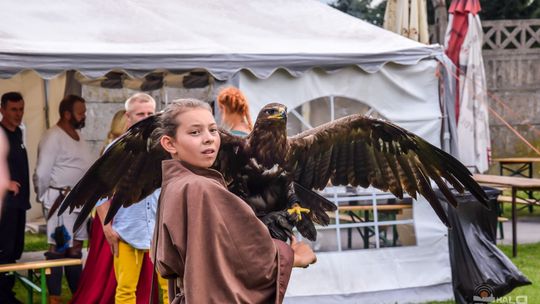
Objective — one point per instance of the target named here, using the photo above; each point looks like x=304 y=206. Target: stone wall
x=103 y=103
x=511 y=54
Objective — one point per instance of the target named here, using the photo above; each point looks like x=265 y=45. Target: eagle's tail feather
x=316 y=203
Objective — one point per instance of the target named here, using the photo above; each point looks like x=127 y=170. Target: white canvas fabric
x=219 y=36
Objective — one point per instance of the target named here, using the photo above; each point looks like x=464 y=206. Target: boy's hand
x=303 y=254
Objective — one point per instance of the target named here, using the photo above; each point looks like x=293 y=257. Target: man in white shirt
x=63 y=158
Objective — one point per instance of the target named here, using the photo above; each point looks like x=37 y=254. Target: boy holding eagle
x=274 y=174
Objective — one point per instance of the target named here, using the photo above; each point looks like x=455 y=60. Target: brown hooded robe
x=210 y=244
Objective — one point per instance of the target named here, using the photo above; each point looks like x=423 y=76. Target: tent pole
x=46 y=106
x=332 y=110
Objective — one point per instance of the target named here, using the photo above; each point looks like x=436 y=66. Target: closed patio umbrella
x=407 y=18
x=463 y=44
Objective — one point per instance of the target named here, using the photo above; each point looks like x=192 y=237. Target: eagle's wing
x=228 y=160
x=362 y=151
x=128 y=171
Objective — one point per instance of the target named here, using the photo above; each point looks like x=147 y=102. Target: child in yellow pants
x=127 y=268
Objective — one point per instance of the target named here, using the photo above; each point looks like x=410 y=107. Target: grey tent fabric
x=221 y=66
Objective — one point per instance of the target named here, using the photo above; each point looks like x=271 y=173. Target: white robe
x=62 y=161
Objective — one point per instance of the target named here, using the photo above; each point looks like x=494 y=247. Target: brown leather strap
x=63 y=193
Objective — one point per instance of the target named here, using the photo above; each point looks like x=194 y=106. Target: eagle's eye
x=271 y=111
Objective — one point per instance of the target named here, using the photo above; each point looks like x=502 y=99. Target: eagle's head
x=269 y=136
x=272 y=114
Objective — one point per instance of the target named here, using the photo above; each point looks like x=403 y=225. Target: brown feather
x=395 y=181
x=430 y=196
x=407 y=176
x=362 y=166
x=379 y=165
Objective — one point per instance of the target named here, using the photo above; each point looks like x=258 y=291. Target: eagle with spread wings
x=275 y=173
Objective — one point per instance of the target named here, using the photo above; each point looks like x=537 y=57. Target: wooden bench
x=351 y=217
x=389 y=207
x=44 y=269
x=342 y=217
x=508 y=200
x=521 y=201
x=347 y=218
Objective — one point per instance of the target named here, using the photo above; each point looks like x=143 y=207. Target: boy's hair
x=167 y=119
x=10 y=96
x=66 y=105
x=139 y=97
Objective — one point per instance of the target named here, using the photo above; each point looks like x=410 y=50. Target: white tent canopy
x=280 y=50
x=219 y=36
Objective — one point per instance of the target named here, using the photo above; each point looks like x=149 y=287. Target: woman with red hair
x=234 y=109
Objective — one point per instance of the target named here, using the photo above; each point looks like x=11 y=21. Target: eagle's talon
x=297 y=209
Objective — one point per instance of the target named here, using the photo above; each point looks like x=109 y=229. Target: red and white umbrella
x=463 y=42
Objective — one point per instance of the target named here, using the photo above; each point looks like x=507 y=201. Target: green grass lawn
x=528 y=261
x=38 y=242
x=22 y=294
x=35 y=242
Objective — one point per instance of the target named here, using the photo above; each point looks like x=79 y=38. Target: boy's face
x=197 y=138
x=139 y=111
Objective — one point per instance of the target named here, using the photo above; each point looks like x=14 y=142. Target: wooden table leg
x=514 y=223
x=349 y=231
x=531 y=196
x=366 y=230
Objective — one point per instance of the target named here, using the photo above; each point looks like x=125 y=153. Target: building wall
x=512 y=63
x=103 y=103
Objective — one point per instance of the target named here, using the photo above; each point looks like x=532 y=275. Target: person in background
x=63 y=158
x=17 y=200
x=118 y=127
x=234 y=109
x=132 y=228
x=98 y=281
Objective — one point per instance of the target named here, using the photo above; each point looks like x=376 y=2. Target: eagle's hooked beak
x=281 y=114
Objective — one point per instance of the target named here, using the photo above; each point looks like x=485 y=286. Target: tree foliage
x=363 y=9
x=491 y=9
x=509 y=9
